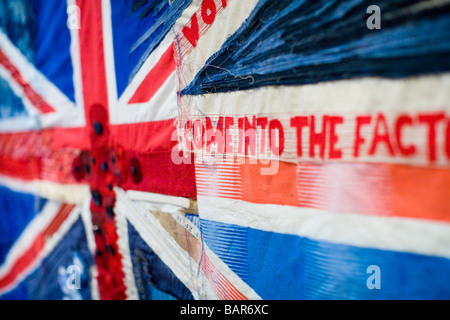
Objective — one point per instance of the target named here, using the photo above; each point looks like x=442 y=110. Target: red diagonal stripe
x=224 y=289
x=60 y=217
x=155 y=78
x=37 y=101
x=24 y=261
x=29 y=256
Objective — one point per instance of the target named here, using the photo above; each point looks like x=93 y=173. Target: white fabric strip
x=356 y=96
x=108 y=50
x=87 y=222
x=158 y=198
x=76 y=66
x=19 y=124
x=66 y=193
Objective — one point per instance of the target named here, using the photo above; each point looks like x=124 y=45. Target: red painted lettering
x=229 y=121
x=360 y=121
x=208 y=11
x=262 y=122
x=299 y=123
x=333 y=121
x=192 y=33
x=381 y=136
x=276 y=125
x=317 y=138
x=431 y=120
x=247 y=134
x=403 y=120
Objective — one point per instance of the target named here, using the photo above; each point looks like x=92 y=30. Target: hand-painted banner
x=224 y=149
x=367 y=137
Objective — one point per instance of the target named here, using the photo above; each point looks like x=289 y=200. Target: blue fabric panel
x=18 y=22
x=194 y=218
x=49 y=280
x=308 y=41
x=41 y=202
x=53 y=45
x=16 y=211
x=153 y=277
x=18 y=293
x=229 y=244
x=138 y=28
x=282 y=266
x=10 y=105
x=159 y=295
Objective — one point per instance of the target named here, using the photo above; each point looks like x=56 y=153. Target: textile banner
x=224 y=149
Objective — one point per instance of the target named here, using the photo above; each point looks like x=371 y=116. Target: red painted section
x=36 y=100
x=95 y=95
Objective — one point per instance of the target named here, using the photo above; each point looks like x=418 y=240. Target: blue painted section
x=154 y=280
x=50 y=280
x=229 y=244
x=10 y=105
x=18 y=293
x=54 y=279
x=38 y=29
x=282 y=266
x=301 y=42
x=159 y=295
x=41 y=202
x=16 y=211
x=53 y=45
x=137 y=30
x=18 y=22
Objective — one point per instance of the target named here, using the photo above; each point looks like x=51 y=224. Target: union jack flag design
x=224 y=149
